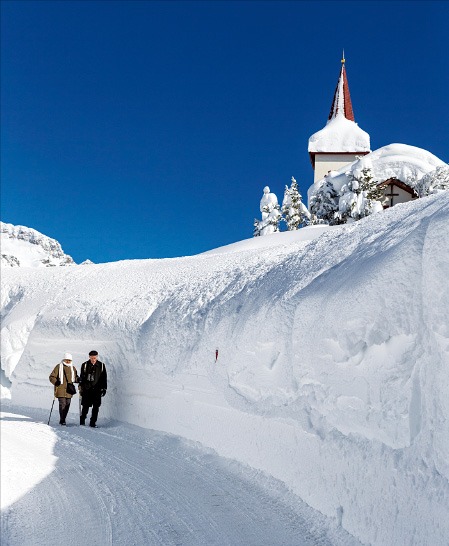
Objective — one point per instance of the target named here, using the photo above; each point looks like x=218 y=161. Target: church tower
x=341 y=140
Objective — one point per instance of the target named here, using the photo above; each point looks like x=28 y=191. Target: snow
x=125 y=485
x=280 y=239
x=401 y=161
x=433 y=182
x=271 y=214
x=407 y=163
x=332 y=374
x=24 y=468
x=268 y=199
x=340 y=135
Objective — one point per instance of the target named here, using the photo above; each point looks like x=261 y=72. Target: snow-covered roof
x=401 y=161
x=341 y=134
x=406 y=163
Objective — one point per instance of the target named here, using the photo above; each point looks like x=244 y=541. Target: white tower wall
x=332 y=162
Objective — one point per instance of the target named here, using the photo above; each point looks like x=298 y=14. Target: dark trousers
x=93 y=416
x=90 y=399
x=64 y=406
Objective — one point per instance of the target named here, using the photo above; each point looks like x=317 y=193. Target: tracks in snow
x=124 y=485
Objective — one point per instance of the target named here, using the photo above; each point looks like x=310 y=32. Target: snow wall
x=333 y=366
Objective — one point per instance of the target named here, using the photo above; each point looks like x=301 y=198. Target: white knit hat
x=67 y=356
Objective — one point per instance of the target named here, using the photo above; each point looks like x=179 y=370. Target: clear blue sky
x=149 y=129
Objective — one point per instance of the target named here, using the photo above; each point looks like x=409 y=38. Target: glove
x=103 y=392
x=57 y=382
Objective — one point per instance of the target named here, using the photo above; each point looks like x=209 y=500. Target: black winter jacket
x=93 y=377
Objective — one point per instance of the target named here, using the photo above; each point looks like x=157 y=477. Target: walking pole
x=51 y=411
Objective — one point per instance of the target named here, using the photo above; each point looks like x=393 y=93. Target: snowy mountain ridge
x=333 y=357
x=25 y=247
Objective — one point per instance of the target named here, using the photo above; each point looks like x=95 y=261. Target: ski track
x=121 y=484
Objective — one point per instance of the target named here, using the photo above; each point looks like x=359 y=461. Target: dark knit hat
x=93 y=353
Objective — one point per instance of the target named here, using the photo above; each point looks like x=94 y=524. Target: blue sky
x=149 y=129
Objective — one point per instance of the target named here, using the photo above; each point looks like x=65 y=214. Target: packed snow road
x=120 y=484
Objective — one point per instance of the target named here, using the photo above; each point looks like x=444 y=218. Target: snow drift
x=333 y=363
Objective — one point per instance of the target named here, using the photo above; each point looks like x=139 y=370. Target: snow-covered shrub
x=437 y=180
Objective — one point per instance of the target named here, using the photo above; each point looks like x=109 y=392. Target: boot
x=92 y=424
x=82 y=421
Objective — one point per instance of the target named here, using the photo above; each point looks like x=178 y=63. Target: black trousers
x=64 y=406
x=90 y=399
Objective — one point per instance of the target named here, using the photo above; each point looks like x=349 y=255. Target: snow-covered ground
x=332 y=374
x=125 y=485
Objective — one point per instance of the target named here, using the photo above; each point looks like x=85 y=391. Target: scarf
x=61 y=372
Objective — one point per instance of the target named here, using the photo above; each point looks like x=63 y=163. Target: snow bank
x=22 y=468
x=332 y=372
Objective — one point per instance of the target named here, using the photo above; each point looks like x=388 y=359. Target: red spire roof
x=341 y=134
x=342 y=99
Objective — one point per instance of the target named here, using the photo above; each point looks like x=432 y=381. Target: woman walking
x=63 y=377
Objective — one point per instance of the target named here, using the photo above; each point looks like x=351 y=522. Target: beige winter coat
x=60 y=391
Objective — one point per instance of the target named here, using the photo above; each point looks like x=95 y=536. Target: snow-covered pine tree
x=324 y=204
x=293 y=209
x=271 y=214
x=348 y=204
x=374 y=192
x=359 y=197
x=272 y=220
x=314 y=221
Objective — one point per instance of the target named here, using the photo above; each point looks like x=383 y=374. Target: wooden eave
x=399 y=184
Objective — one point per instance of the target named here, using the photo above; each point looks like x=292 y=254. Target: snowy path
x=120 y=484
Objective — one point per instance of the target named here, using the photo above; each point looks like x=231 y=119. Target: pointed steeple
x=341 y=141
x=342 y=99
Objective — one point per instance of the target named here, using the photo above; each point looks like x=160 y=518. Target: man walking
x=92 y=386
x=63 y=377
